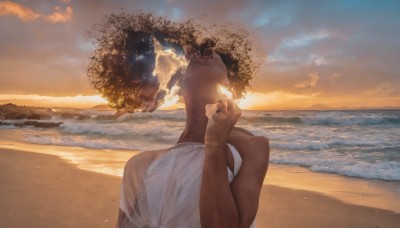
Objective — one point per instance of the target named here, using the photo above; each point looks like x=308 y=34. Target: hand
x=222 y=117
x=209 y=68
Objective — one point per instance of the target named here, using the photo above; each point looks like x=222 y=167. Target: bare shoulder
x=140 y=162
x=145 y=155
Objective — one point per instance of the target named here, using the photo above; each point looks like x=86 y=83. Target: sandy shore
x=42 y=190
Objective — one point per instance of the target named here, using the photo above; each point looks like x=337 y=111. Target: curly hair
x=122 y=65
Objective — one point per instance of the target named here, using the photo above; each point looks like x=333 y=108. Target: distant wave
x=268 y=118
x=175 y=115
x=324 y=120
x=348 y=121
x=161 y=129
x=353 y=120
x=319 y=144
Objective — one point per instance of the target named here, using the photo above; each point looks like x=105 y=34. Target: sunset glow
x=78 y=101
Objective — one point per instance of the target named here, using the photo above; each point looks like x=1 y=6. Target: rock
x=33 y=116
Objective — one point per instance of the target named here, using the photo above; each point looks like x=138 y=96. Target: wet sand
x=44 y=190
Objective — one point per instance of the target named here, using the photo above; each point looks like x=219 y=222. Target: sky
x=337 y=54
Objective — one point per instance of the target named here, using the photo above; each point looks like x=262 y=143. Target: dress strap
x=237 y=160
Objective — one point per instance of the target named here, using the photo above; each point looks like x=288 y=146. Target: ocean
x=356 y=143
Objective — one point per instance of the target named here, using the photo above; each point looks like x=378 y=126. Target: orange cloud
x=310 y=82
x=14 y=9
x=8 y=8
x=60 y=17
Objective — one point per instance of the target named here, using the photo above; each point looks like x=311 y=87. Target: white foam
x=150 y=129
x=383 y=170
x=95 y=143
x=178 y=115
x=349 y=120
x=343 y=164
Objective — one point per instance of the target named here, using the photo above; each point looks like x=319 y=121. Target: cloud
x=382 y=90
x=310 y=82
x=306 y=39
x=14 y=9
x=335 y=77
x=167 y=62
x=60 y=17
x=8 y=8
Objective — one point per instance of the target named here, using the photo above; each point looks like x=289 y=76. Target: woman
x=212 y=177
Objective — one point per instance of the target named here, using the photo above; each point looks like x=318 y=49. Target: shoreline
x=41 y=190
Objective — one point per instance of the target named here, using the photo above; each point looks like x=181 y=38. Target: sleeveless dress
x=167 y=193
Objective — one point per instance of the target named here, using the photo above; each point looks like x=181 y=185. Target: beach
x=55 y=186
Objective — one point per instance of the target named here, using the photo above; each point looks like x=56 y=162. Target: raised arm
x=223 y=204
x=217 y=204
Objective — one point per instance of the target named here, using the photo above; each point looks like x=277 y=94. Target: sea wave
x=308 y=144
x=341 y=120
x=389 y=170
x=148 y=129
x=93 y=143
x=174 y=115
x=341 y=164
x=352 y=120
x=78 y=142
x=306 y=118
x=325 y=118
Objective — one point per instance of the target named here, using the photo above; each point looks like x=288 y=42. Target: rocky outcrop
x=30 y=123
x=14 y=112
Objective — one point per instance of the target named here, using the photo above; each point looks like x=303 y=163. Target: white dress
x=167 y=193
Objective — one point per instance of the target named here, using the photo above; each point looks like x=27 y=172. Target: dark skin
x=222 y=204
